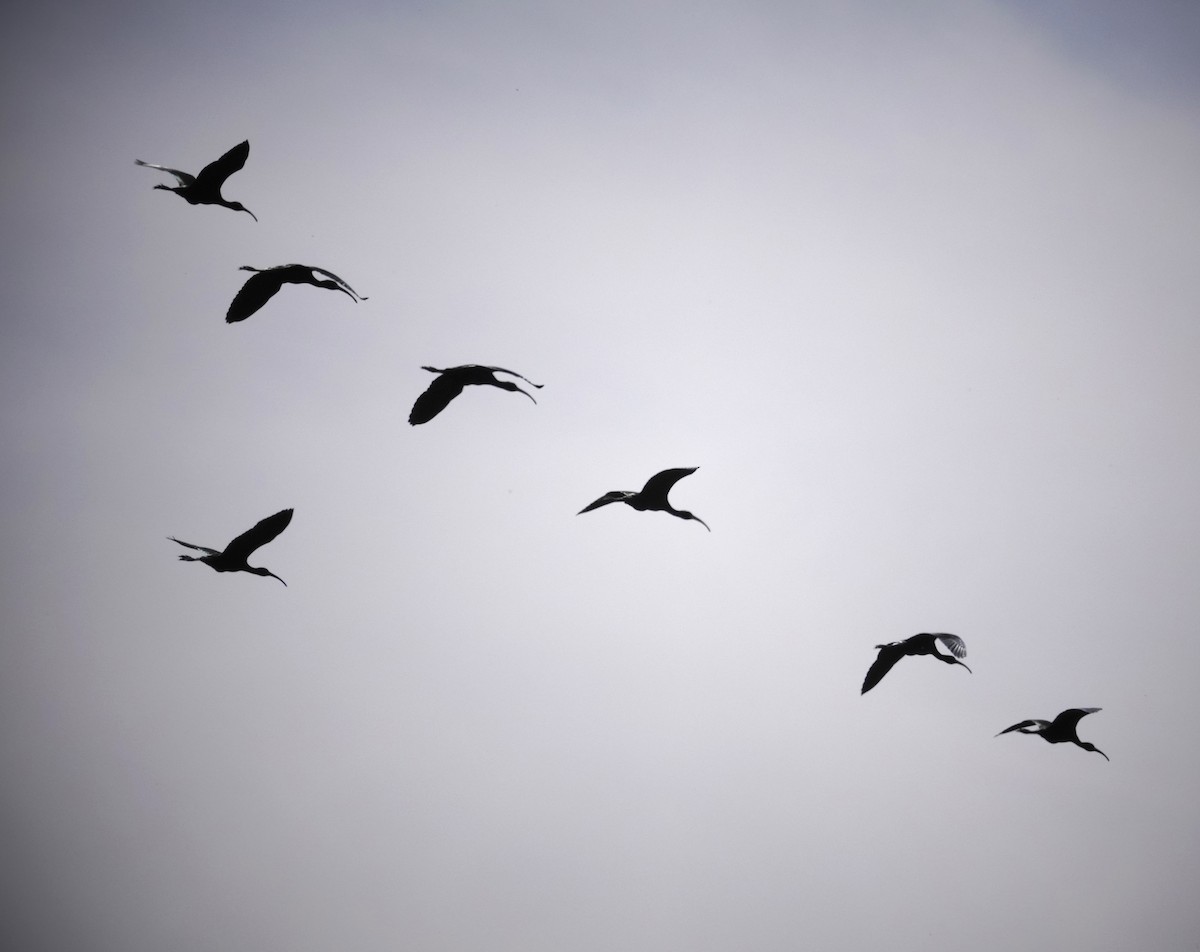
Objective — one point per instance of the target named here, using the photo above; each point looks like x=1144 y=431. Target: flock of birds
x=205 y=189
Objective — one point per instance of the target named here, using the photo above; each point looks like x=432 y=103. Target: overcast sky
x=914 y=286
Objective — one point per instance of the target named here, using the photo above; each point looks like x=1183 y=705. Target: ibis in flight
x=205 y=188
x=922 y=644
x=449 y=383
x=1062 y=730
x=652 y=496
x=233 y=559
x=265 y=282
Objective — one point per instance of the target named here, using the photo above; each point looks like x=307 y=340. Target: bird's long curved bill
x=273 y=575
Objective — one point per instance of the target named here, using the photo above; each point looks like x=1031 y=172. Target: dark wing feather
x=215 y=173
x=262 y=533
x=957 y=646
x=1021 y=726
x=198 y=548
x=617 y=495
x=1069 y=719
x=256 y=292
x=658 y=485
x=435 y=399
x=888 y=656
x=184 y=178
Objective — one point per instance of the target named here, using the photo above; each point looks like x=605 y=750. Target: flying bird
x=205 y=188
x=652 y=496
x=233 y=559
x=922 y=644
x=265 y=282
x=450 y=382
x=1061 y=730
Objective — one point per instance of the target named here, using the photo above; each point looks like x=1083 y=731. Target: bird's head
x=509 y=385
x=264 y=572
x=334 y=286
x=239 y=207
x=684 y=514
x=1089 y=746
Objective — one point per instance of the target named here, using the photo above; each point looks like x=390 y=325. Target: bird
x=205 y=188
x=922 y=644
x=265 y=282
x=450 y=382
x=652 y=496
x=233 y=559
x=1061 y=730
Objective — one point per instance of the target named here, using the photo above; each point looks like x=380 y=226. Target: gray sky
x=913 y=285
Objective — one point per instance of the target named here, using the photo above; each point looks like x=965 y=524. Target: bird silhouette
x=263 y=285
x=652 y=496
x=1062 y=730
x=450 y=382
x=922 y=644
x=205 y=188
x=233 y=559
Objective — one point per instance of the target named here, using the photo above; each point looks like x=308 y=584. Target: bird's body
x=265 y=282
x=234 y=556
x=922 y=644
x=205 y=188
x=651 y=497
x=450 y=382
x=1062 y=730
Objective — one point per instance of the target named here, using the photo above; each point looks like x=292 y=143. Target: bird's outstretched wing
x=1033 y=725
x=1070 y=718
x=658 y=485
x=886 y=660
x=217 y=171
x=956 y=645
x=259 y=535
x=184 y=178
x=435 y=399
x=198 y=548
x=617 y=495
x=257 y=291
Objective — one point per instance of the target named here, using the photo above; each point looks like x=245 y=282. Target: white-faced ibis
x=233 y=559
x=652 y=496
x=205 y=188
x=262 y=285
x=450 y=382
x=922 y=644
x=1062 y=730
